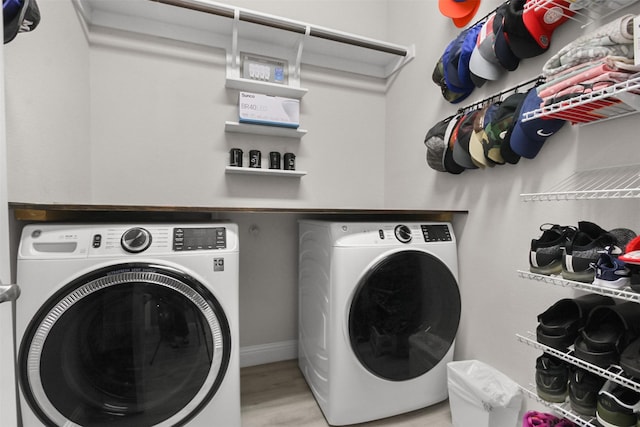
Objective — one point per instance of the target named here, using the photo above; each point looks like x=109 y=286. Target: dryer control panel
x=191 y=239
x=436 y=233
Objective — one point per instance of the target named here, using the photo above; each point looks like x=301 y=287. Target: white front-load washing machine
x=379 y=309
x=128 y=325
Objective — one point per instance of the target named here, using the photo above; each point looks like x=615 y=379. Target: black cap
x=501 y=48
x=19 y=16
x=522 y=43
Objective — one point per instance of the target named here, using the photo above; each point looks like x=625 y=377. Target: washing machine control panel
x=198 y=238
x=436 y=233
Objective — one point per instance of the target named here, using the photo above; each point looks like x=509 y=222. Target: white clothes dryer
x=128 y=325
x=379 y=308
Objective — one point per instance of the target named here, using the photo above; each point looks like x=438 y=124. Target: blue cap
x=468 y=44
x=450 y=62
x=528 y=136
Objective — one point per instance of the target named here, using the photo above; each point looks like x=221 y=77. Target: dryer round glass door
x=404 y=315
x=128 y=345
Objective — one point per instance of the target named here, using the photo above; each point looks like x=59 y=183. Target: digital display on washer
x=193 y=239
x=436 y=233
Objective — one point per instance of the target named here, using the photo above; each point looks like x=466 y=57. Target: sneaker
x=610 y=271
x=617 y=406
x=583 y=391
x=552 y=376
x=583 y=249
x=546 y=252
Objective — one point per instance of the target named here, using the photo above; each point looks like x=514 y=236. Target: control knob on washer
x=135 y=240
x=403 y=233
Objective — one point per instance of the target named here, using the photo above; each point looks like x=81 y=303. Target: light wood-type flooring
x=276 y=394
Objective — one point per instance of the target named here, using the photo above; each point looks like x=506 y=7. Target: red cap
x=460 y=11
x=542 y=17
x=462 y=22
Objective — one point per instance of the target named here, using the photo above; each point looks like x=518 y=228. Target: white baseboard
x=267 y=353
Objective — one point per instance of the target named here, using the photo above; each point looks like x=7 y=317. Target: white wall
x=494 y=238
x=47 y=110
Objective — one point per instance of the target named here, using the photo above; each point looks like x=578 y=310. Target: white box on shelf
x=268 y=110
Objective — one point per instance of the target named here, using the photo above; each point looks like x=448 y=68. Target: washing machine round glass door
x=404 y=315
x=129 y=345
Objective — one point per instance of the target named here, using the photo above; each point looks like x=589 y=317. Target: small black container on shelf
x=255 y=159
x=274 y=160
x=235 y=157
x=289 y=161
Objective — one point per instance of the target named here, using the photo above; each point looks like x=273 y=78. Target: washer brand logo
x=218 y=264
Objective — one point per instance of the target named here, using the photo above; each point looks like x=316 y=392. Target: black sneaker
x=583 y=249
x=583 y=391
x=552 y=376
x=617 y=406
x=546 y=252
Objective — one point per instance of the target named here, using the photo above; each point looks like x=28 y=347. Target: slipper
x=630 y=359
x=601 y=358
x=559 y=324
x=607 y=332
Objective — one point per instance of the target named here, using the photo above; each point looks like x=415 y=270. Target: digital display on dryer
x=436 y=233
x=193 y=239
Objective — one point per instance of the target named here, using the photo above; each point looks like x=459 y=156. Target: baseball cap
x=436 y=145
x=450 y=138
x=528 y=137
x=19 y=16
x=499 y=126
x=483 y=61
x=475 y=141
x=455 y=76
x=461 y=147
x=468 y=44
x=522 y=43
x=438 y=78
x=460 y=11
x=501 y=47
x=506 y=152
x=544 y=17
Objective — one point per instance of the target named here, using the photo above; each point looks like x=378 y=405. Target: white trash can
x=481 y=396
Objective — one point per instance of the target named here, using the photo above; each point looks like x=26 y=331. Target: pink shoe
x=539 y=419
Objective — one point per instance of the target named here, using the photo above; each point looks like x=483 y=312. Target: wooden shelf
x=32 y=212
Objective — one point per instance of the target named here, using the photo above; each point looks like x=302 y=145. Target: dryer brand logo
x=218 y=264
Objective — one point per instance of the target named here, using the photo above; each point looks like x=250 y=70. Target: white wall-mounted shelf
x=624 y=294
x=613 y=372
x=595 y=11
x=235 y=29
x=617 y=100
x=265 y=172
x=266 y=88
x=618 y=182
x=564 y=409
x=235 y=127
